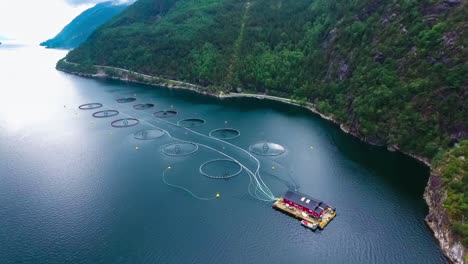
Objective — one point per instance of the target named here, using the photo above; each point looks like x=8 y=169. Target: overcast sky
x=33 y=21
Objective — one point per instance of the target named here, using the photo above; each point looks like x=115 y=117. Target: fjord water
x=73 y=189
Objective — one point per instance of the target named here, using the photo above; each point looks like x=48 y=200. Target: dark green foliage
x=77 y=31
x=206 y=63
x=395 y=72
x=87 y=69
x=165 y=40
x=453 y=166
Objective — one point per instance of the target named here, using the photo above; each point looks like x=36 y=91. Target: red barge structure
x=312 y=212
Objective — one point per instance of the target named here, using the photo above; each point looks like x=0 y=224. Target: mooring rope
x=262 y=191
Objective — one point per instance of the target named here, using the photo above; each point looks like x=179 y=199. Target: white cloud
x=35 y=21
x=92 y=2
x=125 y=1
x=84 y=2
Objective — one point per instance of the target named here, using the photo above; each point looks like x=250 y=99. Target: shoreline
x=174 y=84
x=446 y=245
x=311 y=107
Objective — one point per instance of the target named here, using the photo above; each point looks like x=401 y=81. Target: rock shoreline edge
x=434 y=194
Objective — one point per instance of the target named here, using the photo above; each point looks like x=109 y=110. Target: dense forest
x=80 y=28
x=453 y=167
x=393 y=72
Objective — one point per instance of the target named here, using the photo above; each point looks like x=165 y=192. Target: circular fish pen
x=177 y=149
x=143 y=106
x=267 y=149
x=90 y=106
x=225 y=133
x=165 y=113
x=149 y=134
x=125 y=122
x=220 y=169
x=191 y=122
x=126 y=100
x=105 y=113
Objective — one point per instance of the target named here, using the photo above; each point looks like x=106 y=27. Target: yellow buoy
x=136 y=148
x=217 y=195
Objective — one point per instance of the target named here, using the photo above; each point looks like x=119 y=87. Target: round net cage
x=105 y=113
x=225 y=133
x=149 y=134
x=165 y=113
x=220 y=169
x=143 y=106
x=126 y=100
x=179 y=148
x=125 y=122
x=267 y=149
x=90 y=106
x=191 y=122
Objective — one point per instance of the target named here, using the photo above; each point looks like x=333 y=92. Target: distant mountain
x=77 y=31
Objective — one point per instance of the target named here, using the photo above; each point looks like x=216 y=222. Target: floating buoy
x=311 y=147
x=169 y=168
x=225 y=122
x=217 y=195
x=273 y=168
x=136 y=148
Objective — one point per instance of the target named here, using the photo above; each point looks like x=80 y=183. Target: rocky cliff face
x=437 y=219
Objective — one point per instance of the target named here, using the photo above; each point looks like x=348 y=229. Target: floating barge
x=312 y=212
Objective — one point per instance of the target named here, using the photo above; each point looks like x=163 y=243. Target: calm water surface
x=73 y=189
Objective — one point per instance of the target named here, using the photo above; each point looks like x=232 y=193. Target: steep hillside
x=392 y=72
x=447 y=196
x=77 y=31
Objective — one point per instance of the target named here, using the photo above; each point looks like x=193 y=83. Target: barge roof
x=305 y=201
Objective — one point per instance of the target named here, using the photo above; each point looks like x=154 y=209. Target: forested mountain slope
x=79 y=29
x=393 y=72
